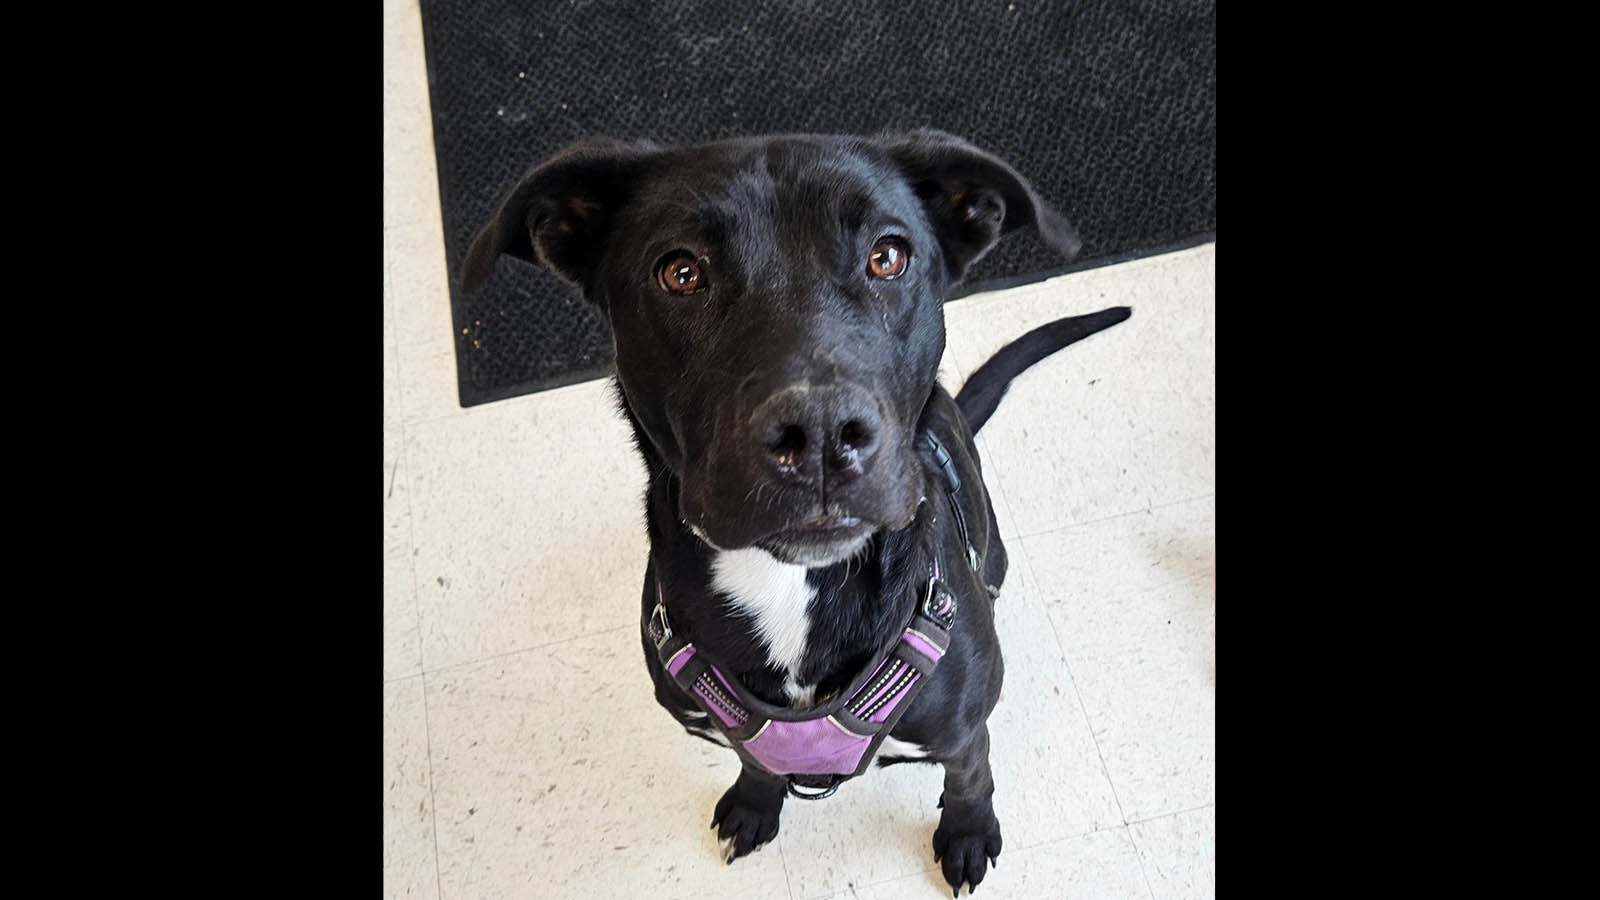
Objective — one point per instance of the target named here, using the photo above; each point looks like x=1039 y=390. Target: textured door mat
x=1107 y=106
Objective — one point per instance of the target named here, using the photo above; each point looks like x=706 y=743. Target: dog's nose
x=806 y=431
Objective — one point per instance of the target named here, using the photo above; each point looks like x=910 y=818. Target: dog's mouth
x=819 y=541
x=732 y=499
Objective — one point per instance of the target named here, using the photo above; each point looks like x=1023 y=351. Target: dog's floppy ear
x=973 y=198
x=559 y=214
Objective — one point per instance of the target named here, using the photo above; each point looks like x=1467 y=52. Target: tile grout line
x=1143 y=872
x=784 y=862
x=1105 y=770
x=433 y=802
x=1139 y=850
x=1104 y=829
x=1176 y=812
x=1121 y=515
x=1108 y=828
x=544 y=646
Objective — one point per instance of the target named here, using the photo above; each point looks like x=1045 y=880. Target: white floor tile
x=408 y=859
x=402 y=640
x=402 y=648
x=1178 y=853
x=1133 y=602
x=391 y=391
x=1049 y=781
x=877 y=827
x=950 y=374
x=1099 y=866
x=391 y=358
x=422 y=323
x=1004 y=518
x=1120 y=421
x=410 y=187
x=410 y=181
x=527 y=524
x=557 y=775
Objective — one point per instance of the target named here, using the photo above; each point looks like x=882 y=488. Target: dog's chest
x=776 y=599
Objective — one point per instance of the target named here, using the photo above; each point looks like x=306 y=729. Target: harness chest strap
x=823 y=745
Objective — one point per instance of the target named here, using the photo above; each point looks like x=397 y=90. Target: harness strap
x=820 y=747
x=947 y=465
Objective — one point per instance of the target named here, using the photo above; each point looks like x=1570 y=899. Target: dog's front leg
x=748 y=812
x=968 y=836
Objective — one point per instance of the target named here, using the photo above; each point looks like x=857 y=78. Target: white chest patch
x=896 y=747
x=775 y=596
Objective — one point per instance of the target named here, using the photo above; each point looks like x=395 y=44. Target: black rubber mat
x=1108 y=106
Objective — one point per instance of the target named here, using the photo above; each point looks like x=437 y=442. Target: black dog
x=823 y=556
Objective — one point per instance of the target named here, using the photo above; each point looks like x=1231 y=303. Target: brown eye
x=680 y=273
x=888 y=259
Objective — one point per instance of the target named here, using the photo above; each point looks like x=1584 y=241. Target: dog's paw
x=743 y=826
x=965 y=847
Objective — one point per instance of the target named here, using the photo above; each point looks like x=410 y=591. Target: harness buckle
x=658 y=625
x=833 y=785
x=937 y=586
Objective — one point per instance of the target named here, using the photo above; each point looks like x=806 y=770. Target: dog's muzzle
x=809 y=473
x=807 y=434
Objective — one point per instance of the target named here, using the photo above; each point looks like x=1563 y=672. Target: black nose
x=806 y=431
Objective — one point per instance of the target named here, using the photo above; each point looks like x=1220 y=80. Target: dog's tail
x=982 y=393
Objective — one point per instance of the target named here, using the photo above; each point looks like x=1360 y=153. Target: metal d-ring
x=794 y=789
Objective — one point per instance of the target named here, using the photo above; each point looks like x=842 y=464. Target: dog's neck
x=791 y=635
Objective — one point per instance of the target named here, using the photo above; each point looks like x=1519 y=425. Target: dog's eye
x=888 y=259
x=680 y=273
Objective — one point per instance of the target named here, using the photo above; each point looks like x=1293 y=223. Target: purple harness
x=823 y=745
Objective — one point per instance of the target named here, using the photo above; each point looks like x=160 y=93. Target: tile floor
x=510 y=614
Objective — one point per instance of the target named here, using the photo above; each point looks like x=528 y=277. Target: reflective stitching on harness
x=717 y=694
x=731 y=713
x=890 y=672
x=866 y=692
x=892 y=693
x=890 y=696
x=720 y=699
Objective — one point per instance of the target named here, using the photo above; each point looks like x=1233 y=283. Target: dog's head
x=776 y=309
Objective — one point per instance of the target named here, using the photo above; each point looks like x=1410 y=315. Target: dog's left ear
x=559 y=215
x=973 y=198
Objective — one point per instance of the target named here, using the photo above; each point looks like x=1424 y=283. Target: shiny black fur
x=784 y=406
